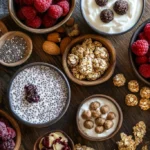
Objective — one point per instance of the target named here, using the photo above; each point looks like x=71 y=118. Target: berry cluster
x=142 y=51
x=7 y=135
x=31 y=94
x=41 y=13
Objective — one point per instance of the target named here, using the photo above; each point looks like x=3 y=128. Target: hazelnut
x=88 y=124
x=108 y=124
x=111 y=116
x=99 y=129
x=100 y=121
x=86 y=114
x=104 y=109
x=96 y=113
x=94 y=105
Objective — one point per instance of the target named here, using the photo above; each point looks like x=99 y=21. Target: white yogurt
x=120 y=23
x=91 y=132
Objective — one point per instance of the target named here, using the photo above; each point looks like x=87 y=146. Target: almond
x=64 y=43
x=54 y=37
x=61 y=30
x=51 y=48
x=70 y=22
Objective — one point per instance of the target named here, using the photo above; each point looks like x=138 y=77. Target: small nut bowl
x=15 y=126
x=118 y=123
x=12 y=13
x=109 y=72
x=69 y=139
x=132 y=56
x=28 y=52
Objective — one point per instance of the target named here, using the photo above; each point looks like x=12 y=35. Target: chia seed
x=13 y=49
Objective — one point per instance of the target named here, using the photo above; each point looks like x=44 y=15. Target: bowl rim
x=133 y=38
x=40 y=125
x=44 y=30
x=98 y=81
x=30 y=48
x=68 y=137
x=111 y=34
x=16 y=127
x=119 y=122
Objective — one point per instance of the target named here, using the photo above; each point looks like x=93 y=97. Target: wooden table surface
x=68 y=122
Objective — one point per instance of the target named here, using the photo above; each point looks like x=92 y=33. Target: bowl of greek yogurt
x=112 y=17
x=99 y=118
x=39 y=94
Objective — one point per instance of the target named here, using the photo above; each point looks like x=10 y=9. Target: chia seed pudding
x=13 y=49
x=51 y=88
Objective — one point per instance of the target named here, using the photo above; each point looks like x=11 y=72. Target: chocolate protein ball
x=121 y=7
x=101 y=2
x=107 y=15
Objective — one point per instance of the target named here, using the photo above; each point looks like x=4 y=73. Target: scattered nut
x=61 y=30
x=145 y=92
x=100 y=121
x=119 y=80
x=64 y=43
x=96 y=113
x=73 y=60
x=70 y=22
x=54 y=37
x=104 y=109
x=131 y=100
x=88 y=124
x=111 y=116
x=73 y=31
x=86 y=114
x=144 y=104
x=99 y=129
x=108 y=124
x=51 y=48
x=94 y=105
x=133 y=86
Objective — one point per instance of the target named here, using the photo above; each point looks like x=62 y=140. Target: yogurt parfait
x=112 y=17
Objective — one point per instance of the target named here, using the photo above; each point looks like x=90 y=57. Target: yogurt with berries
x=120 y=23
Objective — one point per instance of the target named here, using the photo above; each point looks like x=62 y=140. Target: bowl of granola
x=89 y=60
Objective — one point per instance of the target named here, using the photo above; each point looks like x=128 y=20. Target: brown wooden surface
x=68 y=122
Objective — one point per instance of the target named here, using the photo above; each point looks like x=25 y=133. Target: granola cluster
x=133 y=86
x=119 y=80
x=88 y=61
x=127 y=142
x=131 y=100
x=80 y=147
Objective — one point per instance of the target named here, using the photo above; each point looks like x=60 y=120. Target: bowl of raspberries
x=10 y=135
x=139 y=52
x=41 y=16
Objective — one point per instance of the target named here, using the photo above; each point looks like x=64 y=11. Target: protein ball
x=94 y=105
x=119 y=80
x=131 y=100
x=86 y=114
x=99 y=129
x=133 y=86
x=108 y=124
x=96 y=113
x=145 y=92
x=104 y=109
x=144 y=104
x=107 y=15
x=88 y=124
x=111 y=116
x=100 y=121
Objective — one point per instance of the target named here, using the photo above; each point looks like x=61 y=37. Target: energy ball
x=108 y=124
x=88 y=124
x=94 y=105
x=107 y=15
x=101 y=2
x=144 y=104
x=104 y=109
x=100 y=121
x=133 y=86
x=99 y=129
x=119 y=80
x=111 y=116
x=86 y=114
x=131 y=100
x=96 y=113
x=121 y=7
x=145 y=92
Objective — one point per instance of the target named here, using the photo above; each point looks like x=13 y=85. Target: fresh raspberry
x=55 y=11
x=20 y=15
x=28 y=2
x=141 y=60
x=147 y=31
x=34 y=23
x=11 y=134
x=3 y=130
x=142 y=36
x=48 y=21
x=140 y=47
x=5 y=121
x=28 y=12
x=42 y=5
x=65 y=6
x=144 y=70
x=7 y=145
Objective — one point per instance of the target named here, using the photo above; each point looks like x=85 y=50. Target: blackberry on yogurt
x=101 y=2
x=107 y=15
